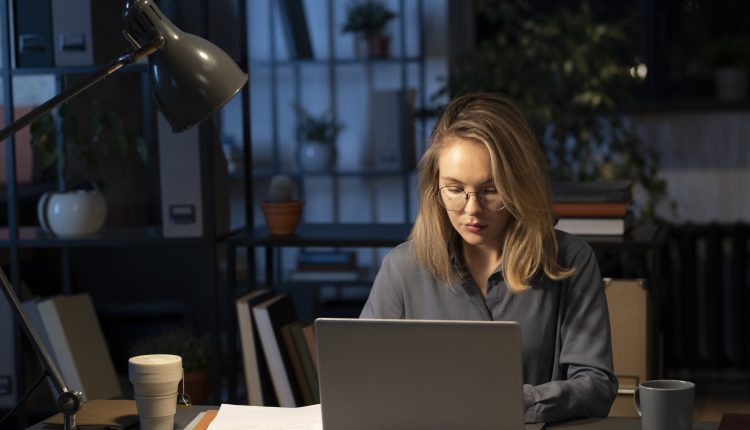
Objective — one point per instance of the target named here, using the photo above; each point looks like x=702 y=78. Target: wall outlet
x=6 y=385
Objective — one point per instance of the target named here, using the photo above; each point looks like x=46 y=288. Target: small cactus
x=282 y=189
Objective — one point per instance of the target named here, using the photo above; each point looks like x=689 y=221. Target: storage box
x=627 y=300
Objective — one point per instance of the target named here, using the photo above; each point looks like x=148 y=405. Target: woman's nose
x=472 y=205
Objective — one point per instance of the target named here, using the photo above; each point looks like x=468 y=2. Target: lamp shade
x=191 y=77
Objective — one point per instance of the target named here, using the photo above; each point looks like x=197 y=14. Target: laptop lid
x=419 y=374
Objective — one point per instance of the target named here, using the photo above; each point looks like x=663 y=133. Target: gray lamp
x=191 y=78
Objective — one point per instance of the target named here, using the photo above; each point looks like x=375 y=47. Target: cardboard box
x=627 y=300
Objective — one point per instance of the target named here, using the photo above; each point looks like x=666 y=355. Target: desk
x=185 y=416
x=182 y=418
x=618 y=424
x=645 y=239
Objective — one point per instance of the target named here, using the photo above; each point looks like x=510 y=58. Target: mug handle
x=637 y=400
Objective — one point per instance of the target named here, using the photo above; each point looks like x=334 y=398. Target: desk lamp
x=191 y=78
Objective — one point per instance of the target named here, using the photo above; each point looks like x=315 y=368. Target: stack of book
x=278 y=351
x=593 y=208
x=332 y=266
x=70 y=331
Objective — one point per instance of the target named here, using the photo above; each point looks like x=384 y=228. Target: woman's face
x=466 y=165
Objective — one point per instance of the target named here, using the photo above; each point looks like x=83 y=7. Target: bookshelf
x=128 y=237
x=334 y=77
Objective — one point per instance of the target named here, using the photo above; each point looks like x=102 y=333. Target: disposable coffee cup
x=155 y=374
x=155 y=380
x=665 y=404
x=156 y=412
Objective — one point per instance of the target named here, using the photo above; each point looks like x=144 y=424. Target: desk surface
x=618 y=424
x=185 y=416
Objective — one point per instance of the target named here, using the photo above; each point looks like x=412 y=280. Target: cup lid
x=155 y=363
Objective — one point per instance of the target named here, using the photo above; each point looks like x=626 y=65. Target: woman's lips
x=475 y=228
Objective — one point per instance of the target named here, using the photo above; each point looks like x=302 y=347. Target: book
x=78 y=346
x=270 y=316
x=308 y=332
x=31 y=310
x=734 y=421
x=592 y=191
x=295 y=358
x=593 y=226
x=206 y=418
x=295 y=26
x=346 y=258
x=257 y=377
x=308 y=365
x=324 y=266
x=324 y=275
x=590 y=209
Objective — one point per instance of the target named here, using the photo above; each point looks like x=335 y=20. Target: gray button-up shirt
x=567 y=352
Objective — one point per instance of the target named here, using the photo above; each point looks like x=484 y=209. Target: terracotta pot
x=731 y=84
x=372 y=46
x=198 y=386
x=282 y=217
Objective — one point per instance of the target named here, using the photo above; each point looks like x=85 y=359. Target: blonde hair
x=519 y=171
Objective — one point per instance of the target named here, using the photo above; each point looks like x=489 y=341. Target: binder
x=180 y=177
x=33 y=33
x=391 y=129
x=86 y=32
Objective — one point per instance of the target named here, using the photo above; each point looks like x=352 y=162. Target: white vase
x=73 y=213
x=316 y=156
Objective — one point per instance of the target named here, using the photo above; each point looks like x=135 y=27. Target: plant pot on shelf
x=316 y=156
x=282 y=218
x=372 y=46
x=198 y=385
x=72 y=213
x=731 y=83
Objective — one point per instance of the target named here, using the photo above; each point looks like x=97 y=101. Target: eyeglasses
x=455 y=198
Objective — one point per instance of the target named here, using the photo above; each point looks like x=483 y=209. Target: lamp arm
x=78 y=88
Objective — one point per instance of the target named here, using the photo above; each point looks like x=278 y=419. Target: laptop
x=419 y=374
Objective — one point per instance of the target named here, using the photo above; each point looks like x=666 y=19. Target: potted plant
x=367 y=21
x=730 y=59
x=282 y=209
x=317 y=139
x=82 y=209
x=195 y=354
x=571 y=74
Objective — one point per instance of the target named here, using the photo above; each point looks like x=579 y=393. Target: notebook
x=419 y=374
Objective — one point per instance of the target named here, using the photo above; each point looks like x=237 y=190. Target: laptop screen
x=419 y=374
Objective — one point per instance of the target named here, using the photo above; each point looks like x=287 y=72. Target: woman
x=484 y=247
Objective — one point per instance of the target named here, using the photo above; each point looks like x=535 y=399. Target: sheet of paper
x=237 y=417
